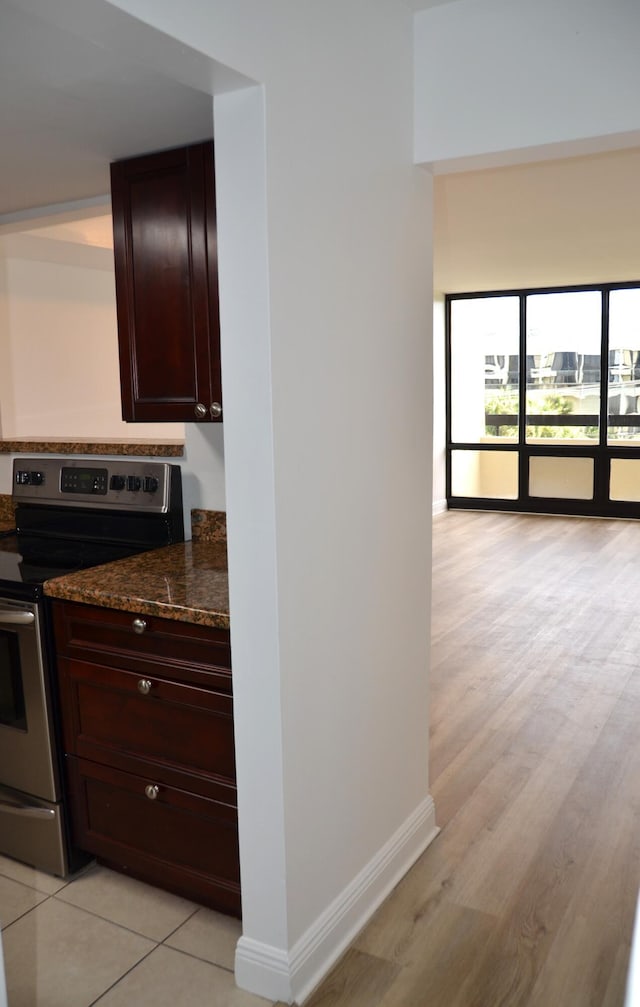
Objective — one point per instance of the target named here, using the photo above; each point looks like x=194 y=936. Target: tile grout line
x=95 y=1003
x=190 y=954
x=32 y=888
x=123 y=976
x=32 y=909
x=184 y=922
x=106 y=919
x=121 y=926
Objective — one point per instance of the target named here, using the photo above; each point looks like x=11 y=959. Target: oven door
x=27 y=761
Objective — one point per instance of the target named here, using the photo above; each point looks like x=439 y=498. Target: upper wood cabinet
x=166 y=272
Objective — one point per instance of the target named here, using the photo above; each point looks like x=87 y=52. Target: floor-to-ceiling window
x=543 y=399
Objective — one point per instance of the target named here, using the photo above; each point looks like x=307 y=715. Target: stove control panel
x=24 y=477
x=120 y=485
x=83 y=480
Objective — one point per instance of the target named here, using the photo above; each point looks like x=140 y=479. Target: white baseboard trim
x=291 y=976
x=439 y=507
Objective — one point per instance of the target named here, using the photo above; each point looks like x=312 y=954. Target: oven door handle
x=13 y=617
x=25 y=810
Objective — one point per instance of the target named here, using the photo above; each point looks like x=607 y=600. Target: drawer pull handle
x=151 y=791
x=139 y=625
x=144 y=686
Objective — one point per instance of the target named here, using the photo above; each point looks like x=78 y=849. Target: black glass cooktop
x=52 y=541
x=31 y=572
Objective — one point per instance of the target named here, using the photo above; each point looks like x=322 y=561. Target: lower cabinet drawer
x=177 y=840
x=108 y=719
x=105 y=636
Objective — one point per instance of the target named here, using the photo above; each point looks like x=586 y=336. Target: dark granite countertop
x=187 y=582
x=7 y=517
x=106 y=446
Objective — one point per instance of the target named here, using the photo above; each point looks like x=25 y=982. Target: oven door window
x=12 y=706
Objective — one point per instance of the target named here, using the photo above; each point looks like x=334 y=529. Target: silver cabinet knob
x=200 y=410
x=144 y=686
x=151 y=791
x=139 y=626
x=215 y=410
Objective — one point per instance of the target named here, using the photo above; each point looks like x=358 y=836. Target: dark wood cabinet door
x=164 y=230
x=147 y=725
x=200 y=655
x=178 y=840
x=178 y=727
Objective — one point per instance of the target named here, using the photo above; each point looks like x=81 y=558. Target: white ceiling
x=79 y=88
x=75 y=95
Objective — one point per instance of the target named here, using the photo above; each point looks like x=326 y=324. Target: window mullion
x=604 y=371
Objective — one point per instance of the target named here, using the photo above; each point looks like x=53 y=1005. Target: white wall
x=243 y=264
x=499 y=83
x=342 y=344
x=574 y=220
x=59 y=375
x=61 y=329
x=3 y=984
x=6 y=382
x=203 y=476
x=543 y=79
x=59 y=338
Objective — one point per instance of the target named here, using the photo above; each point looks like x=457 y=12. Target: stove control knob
x=37 y=478
x=149 y=484
x=133 y=484
x=117 y=483
x=23 y=478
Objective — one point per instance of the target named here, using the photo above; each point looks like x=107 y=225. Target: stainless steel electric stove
x=70 y=514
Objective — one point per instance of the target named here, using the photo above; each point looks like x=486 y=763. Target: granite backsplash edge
x=7 y=508
x=208 y=525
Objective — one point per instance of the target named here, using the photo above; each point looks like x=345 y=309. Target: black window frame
x=601 y=452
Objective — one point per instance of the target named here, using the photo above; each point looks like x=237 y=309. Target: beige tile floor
x=105 y=939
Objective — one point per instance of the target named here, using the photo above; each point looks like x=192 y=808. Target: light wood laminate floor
x=527 y=896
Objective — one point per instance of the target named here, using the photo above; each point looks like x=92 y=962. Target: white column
x=3 y=985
